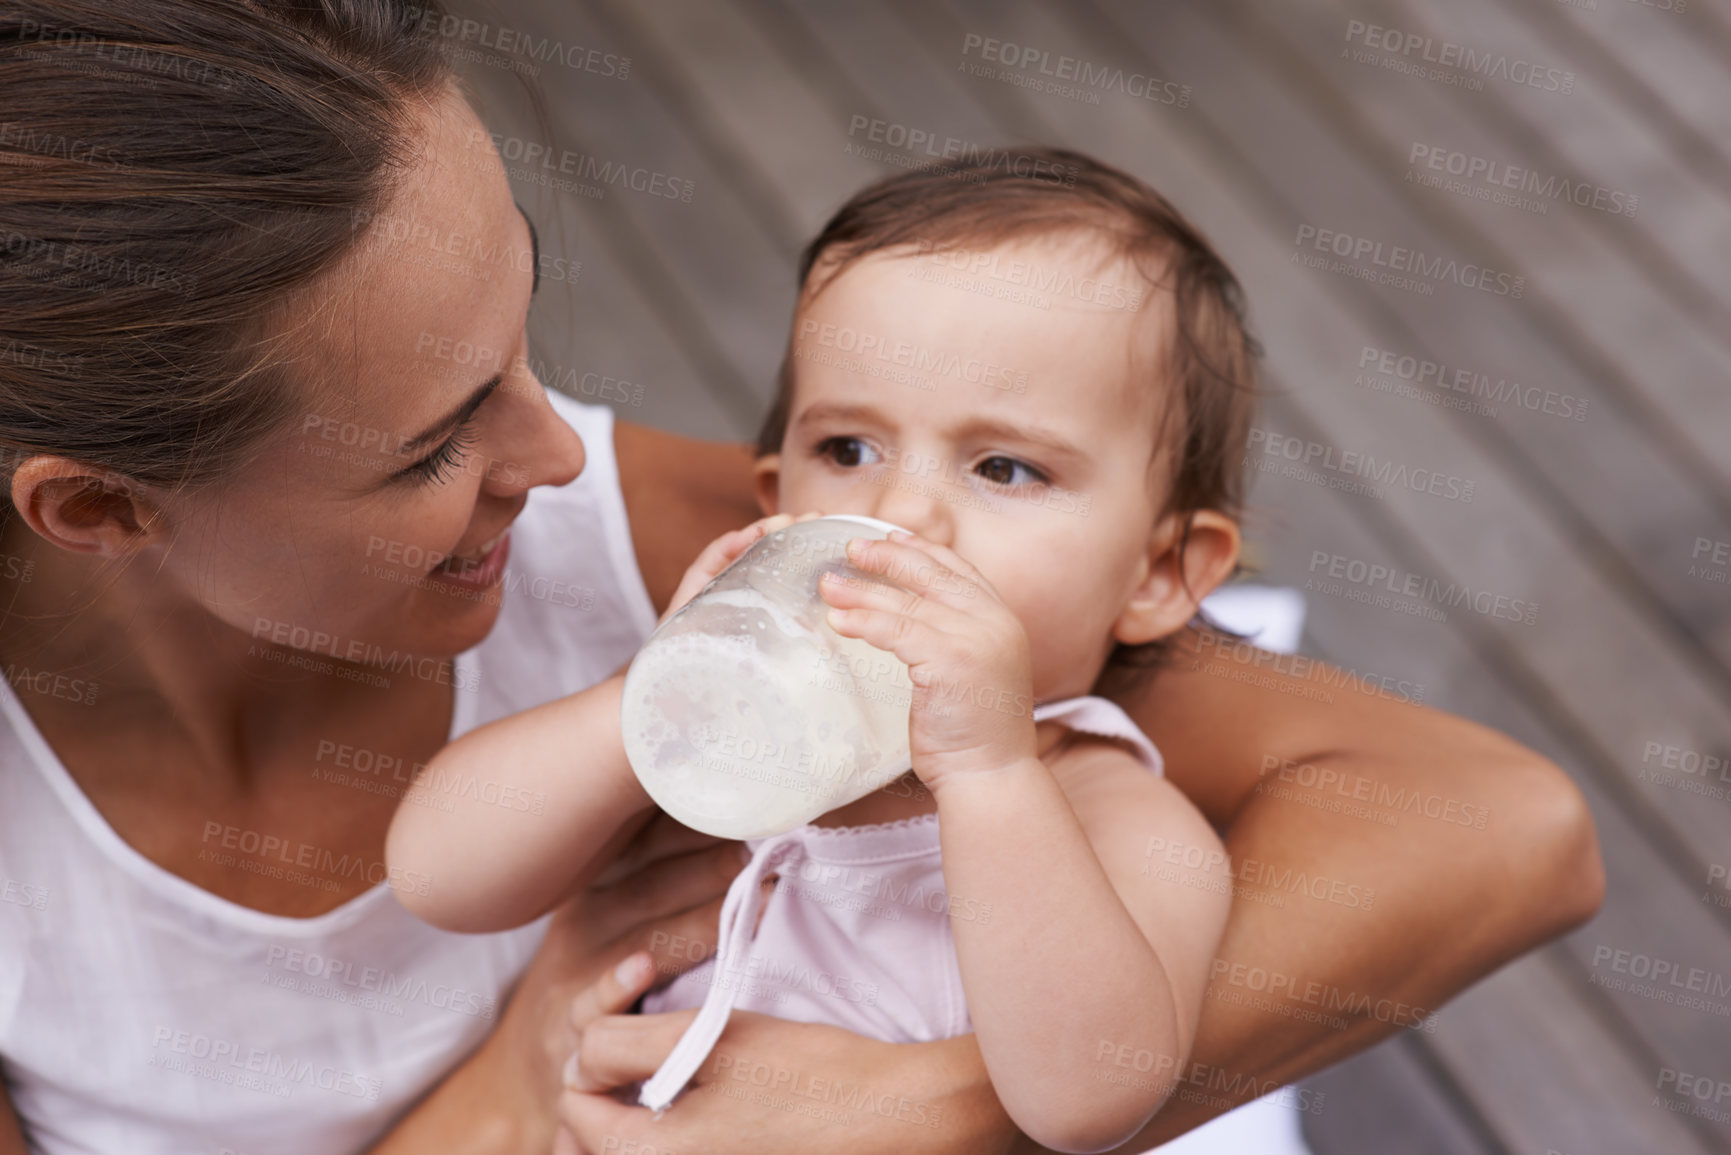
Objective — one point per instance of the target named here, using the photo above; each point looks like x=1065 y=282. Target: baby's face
x=949 y=403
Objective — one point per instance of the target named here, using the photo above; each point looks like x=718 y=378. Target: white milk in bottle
x=745 y=715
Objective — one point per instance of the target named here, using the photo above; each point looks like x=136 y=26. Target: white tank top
x=140 y=1014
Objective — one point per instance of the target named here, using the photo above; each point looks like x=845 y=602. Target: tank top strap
x=1094 y=715
x=738 y=926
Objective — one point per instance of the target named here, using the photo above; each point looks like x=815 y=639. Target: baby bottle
x=745 y=715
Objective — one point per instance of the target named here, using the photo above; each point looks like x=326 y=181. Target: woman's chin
x=445 y=625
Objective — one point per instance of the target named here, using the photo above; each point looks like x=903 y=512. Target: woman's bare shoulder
x=681 y=493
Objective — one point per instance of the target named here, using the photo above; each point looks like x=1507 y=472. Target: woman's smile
x=480 y=570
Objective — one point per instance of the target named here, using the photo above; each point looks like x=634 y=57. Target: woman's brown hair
x=170 y=171
x=1207 y=386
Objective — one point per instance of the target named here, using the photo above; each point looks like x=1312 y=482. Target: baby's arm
x=539 y=799
x=1068 y=958
x=535 y=798
x=1085 y=981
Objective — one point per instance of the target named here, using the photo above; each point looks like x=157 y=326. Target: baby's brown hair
x=1211 y=360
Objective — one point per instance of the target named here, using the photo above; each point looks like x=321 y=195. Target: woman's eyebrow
x=534 y=248
x=456 y=416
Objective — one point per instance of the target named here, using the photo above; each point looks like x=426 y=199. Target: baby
x=1041 y=371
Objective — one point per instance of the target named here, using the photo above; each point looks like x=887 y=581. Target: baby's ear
x=1178 y=572
x=766 y=474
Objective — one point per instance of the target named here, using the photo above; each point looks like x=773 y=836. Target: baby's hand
x=723 y=552
x=966 y=653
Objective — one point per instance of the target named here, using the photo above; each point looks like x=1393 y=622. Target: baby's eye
x=1008 y=472
x=847 y=452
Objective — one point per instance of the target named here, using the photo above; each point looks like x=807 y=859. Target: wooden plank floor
x=1592 y=505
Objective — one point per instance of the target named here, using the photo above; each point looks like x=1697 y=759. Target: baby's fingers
x=944 y=556
x=916 y=643
x=950 y=580
x=718 y=555
x=850 y=592
x=725 y=550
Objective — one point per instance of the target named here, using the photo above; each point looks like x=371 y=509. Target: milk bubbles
x=745 y=715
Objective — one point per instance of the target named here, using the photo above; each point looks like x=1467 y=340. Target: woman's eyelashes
x=442 y=463
x=999 y=471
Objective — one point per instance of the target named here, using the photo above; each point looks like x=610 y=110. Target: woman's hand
x=603 y=949
x=772 y=1087
x=966 y=652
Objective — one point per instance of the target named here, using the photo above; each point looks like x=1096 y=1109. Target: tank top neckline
x=895 y=825
x=164 y=882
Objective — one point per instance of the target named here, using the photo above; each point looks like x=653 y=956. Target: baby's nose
x=919 y=505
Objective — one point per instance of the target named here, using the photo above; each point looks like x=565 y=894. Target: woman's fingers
x=613 y=993
x=662 y=888
x=600 y=1123
x=661 y=838
x=613 y=1050
x=714 y=1113
x=609 y=996
x=681 y=942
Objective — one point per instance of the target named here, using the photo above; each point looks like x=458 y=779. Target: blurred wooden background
x=1602 y=504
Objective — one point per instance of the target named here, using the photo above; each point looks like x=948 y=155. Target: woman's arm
x=1452 y=903
x=501 y=1100
x=1490 y=852
x=680 y=494
x=773 y=1087
x=1459 y=915
x=11 y=1131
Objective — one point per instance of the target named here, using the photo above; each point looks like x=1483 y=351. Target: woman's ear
x=83 y=509
x=1178 y=572
x=766 y=474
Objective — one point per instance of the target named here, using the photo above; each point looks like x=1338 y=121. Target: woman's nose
x=539 y=446
x=566 y=461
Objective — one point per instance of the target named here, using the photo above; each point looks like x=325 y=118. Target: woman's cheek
x=437 y=532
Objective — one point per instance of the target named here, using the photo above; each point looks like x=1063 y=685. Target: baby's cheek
x=797 y=495
x=1043 y=614
x=1068 y=623
x=803 y=490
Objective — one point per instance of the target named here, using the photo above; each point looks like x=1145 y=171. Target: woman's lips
x=476 y=573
